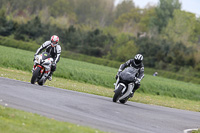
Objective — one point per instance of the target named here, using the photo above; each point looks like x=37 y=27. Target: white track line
x=190 y=130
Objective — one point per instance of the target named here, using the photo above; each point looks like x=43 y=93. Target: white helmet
x=138 y=59
x=54 y=40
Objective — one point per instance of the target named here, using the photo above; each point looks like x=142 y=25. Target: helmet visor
x=138 y=62
x=54 y=43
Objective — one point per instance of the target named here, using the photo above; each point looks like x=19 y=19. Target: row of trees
x=168 y=37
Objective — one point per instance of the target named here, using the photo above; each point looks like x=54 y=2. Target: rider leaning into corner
x=137 y=64
x=54 y=49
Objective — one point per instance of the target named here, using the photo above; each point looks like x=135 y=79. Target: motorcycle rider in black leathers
x=54 y=49
x=137 y=64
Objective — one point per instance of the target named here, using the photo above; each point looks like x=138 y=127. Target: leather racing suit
x=53 y=51
x=140 y=74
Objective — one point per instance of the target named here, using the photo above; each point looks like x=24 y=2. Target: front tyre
x=118 y=93
x=35 y=75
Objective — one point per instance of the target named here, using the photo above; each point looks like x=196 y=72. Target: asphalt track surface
x=95 y=111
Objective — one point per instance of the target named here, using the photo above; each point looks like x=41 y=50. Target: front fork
x=43 y=70
x=116 y=83
x=35 y=67
x=129 y=89
x=47 y=70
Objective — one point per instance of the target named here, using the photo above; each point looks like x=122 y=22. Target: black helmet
x=138 y=59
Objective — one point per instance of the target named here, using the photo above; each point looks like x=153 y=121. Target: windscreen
x=128 y=74
x=45 y=55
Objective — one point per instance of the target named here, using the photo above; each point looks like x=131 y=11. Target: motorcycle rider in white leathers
x=54 y=49
x=136 y=63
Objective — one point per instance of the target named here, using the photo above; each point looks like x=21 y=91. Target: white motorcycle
x=42 y=68
x=125 y=84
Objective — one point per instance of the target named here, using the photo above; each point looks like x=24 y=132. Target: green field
x=100 y=75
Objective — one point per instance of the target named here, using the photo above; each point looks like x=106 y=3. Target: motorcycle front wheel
x=118 y=93
x=35 y=75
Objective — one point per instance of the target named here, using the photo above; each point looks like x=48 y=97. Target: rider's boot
x=50 y=76
x=132 y=93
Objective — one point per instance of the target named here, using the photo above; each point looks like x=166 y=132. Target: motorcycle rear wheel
x=35 y=75
x=124 y=100
x=42 y=81
x=118 y=93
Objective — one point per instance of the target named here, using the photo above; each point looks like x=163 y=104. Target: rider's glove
x=34 y=57
x=116 y=77
x=54 y=63
x=137 y=81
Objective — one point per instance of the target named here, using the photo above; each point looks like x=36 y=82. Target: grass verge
x=16 y=121
x=196 y=131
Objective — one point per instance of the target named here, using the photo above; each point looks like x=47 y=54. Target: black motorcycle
x=125 y=84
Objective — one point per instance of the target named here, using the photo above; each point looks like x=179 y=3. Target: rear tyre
x=35 y=75
x=118 y=94
x=124 y=100
x=42 y=81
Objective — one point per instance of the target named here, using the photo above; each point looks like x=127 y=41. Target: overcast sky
x=187 y=5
